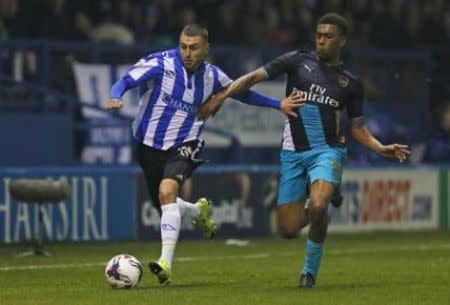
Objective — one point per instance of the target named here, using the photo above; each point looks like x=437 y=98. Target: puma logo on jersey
x=307 y=68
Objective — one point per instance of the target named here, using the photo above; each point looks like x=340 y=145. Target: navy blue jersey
x=327 y=90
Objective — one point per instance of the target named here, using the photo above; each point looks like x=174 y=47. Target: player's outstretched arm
x=240 y=85
x=115 y=96
x=246 y=81
x=140 y=73
x=365 y=137
x=288 y=105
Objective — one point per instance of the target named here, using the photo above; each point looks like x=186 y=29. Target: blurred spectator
x=86 y=16
x=304 y=26
x=112 y=26
x=412 y=18
x=224 y=30
x=333 y=6
x=446 y=24
x=277 y=34
x=8 y=10
x=185 y=16
x=104 y=21
x=253 y=22
x=53 y=23
x=151 y=28
x=287 y=12
x=388 y=30
x=438 y=146
x=434 y=32
x=109 y=31
x=166 y=24
x=16 y=63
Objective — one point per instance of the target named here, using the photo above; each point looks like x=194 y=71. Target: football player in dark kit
x=311 y=150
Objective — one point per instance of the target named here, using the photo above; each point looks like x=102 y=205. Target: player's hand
x=290 y=104
x=113 y=104
x=210 y=107
x=395 y=151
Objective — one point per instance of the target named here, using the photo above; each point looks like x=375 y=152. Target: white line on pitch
x=263 y=255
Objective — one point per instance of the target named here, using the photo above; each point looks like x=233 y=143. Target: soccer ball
x=123 y=271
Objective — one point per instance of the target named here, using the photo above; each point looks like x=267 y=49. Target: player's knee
x=167 y=196
x=288 y=232
x=317 y=212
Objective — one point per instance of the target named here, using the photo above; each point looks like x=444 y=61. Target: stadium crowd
x=284 y=23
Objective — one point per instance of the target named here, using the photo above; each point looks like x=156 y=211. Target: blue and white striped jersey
x=168 y=107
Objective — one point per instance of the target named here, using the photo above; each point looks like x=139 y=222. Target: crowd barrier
x=111 y=203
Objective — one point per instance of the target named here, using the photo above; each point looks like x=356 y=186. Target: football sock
x=186 y=207
x=170 y=229
x=312 y=257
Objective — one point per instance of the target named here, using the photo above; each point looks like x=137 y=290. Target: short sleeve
x=145 y=69
x=221 y=80
x=355 y=104
x=282 y=64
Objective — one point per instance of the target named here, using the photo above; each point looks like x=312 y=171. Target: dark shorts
x=177 y=164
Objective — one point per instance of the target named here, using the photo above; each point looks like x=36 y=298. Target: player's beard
x=191 y=65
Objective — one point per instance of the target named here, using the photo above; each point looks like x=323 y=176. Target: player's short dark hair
x=194 y=29
x=335 y=19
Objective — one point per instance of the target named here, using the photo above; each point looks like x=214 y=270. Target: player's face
x=193 y=51
x=329 y=42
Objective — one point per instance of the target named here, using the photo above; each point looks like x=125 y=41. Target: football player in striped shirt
x=173 y=84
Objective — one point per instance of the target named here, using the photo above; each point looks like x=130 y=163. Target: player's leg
x=170 y=229
x=186 y=190
x=291 y=195
x=152 y=165
x=325 y=173
x=291 y=218
x=153 y=179
x=321 y=192
x=186 y=207
x=337 y=198
x=179 y=167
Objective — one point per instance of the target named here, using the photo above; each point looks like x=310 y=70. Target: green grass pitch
x=367 y=268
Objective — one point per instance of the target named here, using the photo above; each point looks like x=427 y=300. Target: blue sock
x=313 y=256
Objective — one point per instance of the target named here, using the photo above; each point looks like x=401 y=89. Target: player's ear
x=206 y=48
x=343 y=42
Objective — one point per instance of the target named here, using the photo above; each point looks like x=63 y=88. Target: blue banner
x=101 y=205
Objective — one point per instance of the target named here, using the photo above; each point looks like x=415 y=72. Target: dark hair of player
x=337 y=20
